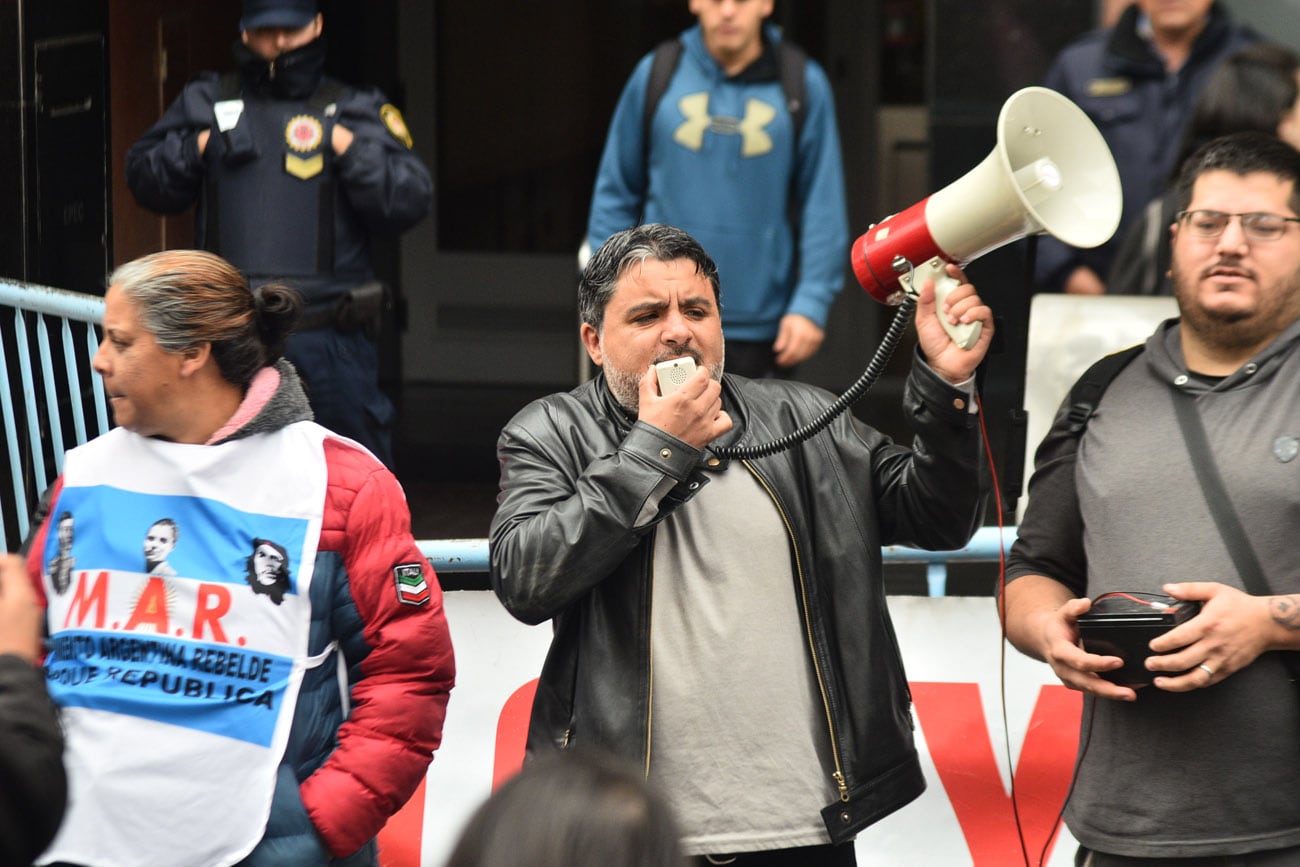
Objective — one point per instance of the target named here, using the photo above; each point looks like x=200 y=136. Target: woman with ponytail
x=207 y=722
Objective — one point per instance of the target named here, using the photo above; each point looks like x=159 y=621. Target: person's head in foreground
x=571 y=808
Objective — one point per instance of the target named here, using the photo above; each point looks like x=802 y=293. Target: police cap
x=293 y=14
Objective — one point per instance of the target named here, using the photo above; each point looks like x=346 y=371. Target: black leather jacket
x=569 y=543
x=33 y=783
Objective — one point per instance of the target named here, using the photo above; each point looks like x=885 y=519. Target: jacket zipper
x=841 y=784
x=650 y=656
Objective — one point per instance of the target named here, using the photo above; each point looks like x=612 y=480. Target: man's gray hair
x=649 y=242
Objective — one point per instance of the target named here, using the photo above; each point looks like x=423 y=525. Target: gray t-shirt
x=739 y=736
x=1211 y=771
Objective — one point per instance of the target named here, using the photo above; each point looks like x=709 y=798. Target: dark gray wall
x=1278 y=20
x=54 y=142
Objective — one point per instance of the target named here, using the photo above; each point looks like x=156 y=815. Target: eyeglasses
x=1257 y=226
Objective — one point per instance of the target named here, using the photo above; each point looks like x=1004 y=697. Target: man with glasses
x=1198 y=766
x=1257 y=226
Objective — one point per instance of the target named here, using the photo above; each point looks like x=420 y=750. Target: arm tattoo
x=1285 y=610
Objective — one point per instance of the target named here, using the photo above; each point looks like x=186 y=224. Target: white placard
x=952 y=649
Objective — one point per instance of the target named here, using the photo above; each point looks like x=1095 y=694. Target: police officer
x=292 y=171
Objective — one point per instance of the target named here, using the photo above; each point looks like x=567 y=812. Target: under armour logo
x=754 y=139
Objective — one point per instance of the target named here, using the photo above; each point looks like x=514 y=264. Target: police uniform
x=277 y=202
x=1141 y=109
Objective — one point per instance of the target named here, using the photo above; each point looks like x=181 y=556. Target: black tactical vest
x=269 y=200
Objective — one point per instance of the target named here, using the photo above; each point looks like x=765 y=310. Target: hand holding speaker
x=954 y=326
x=936 y=272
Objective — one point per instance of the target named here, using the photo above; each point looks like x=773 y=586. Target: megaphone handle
x=964 y=334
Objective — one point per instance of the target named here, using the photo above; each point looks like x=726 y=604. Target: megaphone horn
x=1050 y=172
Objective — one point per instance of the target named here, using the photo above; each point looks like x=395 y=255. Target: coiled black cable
x=855 y=392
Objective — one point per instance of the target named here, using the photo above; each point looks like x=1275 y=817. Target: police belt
x=361 y=307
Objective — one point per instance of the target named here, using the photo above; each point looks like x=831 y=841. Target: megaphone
x=1050 y=172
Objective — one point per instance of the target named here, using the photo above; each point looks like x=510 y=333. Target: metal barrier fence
x=987 y=546
x=68 y=406
x=40 y=424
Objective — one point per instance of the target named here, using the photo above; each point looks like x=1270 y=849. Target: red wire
x=997 y=498
x=1006 y=729
x=1129 y=596
x=1002 y=619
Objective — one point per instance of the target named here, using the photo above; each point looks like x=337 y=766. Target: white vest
x=178 y=684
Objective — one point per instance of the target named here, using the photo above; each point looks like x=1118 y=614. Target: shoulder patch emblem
x=412 y=589
x=303 y=133
x=393 y=119
x=1109 y=86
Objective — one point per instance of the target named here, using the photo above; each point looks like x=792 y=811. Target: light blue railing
x=34 y=426
x=35 y=442
x=471 y=555
x=987 y=546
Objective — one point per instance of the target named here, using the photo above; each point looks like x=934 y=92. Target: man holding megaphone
x=722 y=623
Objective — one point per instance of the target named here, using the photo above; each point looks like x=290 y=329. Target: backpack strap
x=667 y=55
x=791 y=62
x=229 y=86
x=1086 y=393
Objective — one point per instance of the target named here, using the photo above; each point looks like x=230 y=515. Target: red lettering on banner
x=151 y=607
x=402 y=836
x=400 y=839
x=212 y=605
x=512 y=733
x=952 y=718
x=82 y=600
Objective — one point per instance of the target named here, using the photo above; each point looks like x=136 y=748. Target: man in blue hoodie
x=756 y=179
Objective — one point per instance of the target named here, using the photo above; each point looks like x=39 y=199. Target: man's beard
x=1236 y=331
x=625 y=385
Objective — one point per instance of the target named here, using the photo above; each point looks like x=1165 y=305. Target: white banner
x=952 y=650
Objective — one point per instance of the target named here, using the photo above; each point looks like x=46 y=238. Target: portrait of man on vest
x=267 y=569
x=61 y=565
